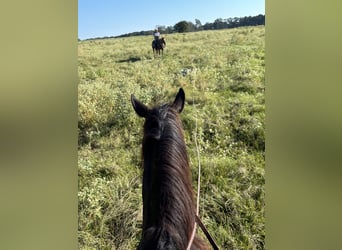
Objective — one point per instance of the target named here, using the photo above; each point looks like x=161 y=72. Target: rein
x=205 y=231
x=198 y=220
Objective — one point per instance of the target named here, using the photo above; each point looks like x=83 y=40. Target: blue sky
x=100 y=18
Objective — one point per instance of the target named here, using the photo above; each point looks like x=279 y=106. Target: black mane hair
x=168 y=204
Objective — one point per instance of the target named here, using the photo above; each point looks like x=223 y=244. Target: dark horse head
x=168 y=205
x=158 y=46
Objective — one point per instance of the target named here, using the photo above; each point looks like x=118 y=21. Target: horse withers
x=158 y=46
x=168 y=204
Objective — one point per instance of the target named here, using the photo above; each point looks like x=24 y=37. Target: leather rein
x=207 y=234
x=198 y=220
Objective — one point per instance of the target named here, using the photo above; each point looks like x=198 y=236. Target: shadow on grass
x=131 y=59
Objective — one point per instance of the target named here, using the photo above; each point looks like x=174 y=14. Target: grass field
x=223 y=75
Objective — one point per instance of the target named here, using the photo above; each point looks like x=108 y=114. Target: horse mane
x=168 y=199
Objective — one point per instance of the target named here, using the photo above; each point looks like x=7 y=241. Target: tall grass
x=222 y=73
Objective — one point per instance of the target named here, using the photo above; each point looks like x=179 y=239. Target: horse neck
x=167 y=190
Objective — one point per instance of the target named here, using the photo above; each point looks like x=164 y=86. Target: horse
x=168 y=205
x=158 y=45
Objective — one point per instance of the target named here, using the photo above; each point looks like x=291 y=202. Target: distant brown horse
x=158 y=46
x=168 y=205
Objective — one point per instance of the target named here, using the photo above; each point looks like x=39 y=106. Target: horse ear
x=178 y=103
x=140 y=108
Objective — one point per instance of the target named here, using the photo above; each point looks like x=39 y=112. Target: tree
x=219 y=24
x=191 y=27
x=181 y=27
x=169 y=30
x=198 y=24
x=162 y=28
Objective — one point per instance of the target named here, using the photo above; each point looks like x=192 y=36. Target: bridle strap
x=207 y=234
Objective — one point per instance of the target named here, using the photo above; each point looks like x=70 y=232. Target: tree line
x=186 y=26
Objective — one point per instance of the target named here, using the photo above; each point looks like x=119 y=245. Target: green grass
x=223 y=75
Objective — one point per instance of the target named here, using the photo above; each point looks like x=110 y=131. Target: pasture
x=223 y=75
